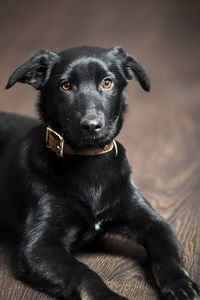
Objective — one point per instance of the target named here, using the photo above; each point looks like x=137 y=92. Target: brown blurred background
x=162 y=128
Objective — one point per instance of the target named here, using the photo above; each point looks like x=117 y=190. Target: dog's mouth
x=85 y=141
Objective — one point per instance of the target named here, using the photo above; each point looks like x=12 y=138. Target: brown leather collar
x=56 y=143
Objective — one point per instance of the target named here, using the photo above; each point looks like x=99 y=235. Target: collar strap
x=56 y=143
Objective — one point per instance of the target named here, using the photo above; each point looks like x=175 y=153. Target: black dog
x=56 y=203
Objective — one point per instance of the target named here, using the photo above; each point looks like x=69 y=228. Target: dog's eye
x=66 y=86
x=107 y=83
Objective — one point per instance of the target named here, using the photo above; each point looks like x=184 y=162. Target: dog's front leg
x=140 y=222
x=45 y=261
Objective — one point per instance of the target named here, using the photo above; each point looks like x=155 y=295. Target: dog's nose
x=91 y=124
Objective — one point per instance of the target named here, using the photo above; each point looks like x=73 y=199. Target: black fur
x=53 y=205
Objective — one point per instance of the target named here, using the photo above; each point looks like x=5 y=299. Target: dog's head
x=82 y=91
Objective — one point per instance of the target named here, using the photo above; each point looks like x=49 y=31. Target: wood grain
x=161 y=131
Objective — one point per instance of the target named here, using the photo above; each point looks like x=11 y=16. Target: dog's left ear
x=36 y=71
x=129 y=65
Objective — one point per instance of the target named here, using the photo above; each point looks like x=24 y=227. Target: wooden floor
x=162 y=128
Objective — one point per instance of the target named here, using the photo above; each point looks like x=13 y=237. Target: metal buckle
x=54 y=141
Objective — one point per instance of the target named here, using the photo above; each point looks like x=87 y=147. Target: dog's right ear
x=36 y=71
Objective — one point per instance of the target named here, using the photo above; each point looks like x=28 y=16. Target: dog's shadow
x=111 y=246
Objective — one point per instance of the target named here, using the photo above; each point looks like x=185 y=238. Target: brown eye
x=66 y=86
x=107 y=83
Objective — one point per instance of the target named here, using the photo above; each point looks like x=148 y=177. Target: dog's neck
x=56 y=143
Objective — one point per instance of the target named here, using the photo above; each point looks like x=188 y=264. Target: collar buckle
x=55 y=141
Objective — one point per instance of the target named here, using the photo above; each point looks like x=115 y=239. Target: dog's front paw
x=182 y=289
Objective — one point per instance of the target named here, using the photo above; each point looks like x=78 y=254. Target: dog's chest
x=93 y=186
x=80 y=233
x=95 y=197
